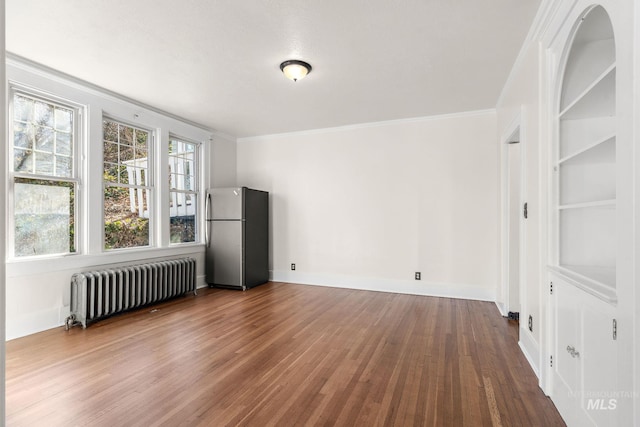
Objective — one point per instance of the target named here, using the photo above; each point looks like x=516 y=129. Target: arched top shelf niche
x=585 y=166
x=591 y=60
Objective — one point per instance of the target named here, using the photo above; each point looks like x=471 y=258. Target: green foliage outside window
x=125 y=192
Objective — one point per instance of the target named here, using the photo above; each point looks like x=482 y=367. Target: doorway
x=515 y=211
x=512 y=295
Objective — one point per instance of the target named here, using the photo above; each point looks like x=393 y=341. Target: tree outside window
x=44 y=177
x=127 y=185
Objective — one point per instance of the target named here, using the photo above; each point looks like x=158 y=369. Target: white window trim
x=152 y=188
x=77 y=173
x=96 y=103
x=198 y=187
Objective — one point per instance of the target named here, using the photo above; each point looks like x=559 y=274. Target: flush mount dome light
x=294 y=69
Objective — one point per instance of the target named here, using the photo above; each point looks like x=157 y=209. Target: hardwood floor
x=281 y=355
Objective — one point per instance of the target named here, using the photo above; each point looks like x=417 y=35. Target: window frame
x=150 y=189
x=197 y=185
x=76 y=178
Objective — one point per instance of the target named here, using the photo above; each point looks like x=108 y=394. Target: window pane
x=22 y=160
x=110 y=131
x=125 y=134
x=44 y=114
x=64 y=119
x=110 y=152
x=182 y=203
x=63 y=143
x=33 y=129
x=124 y=174
x=64 y=167
x=110 y=173
x=44 y=139
x=141 y=153
x=182 y=165
x=44 y=163
x=44 y=219
x=124 y=228
x=126 y=153
x=183 y=217
x=142 y=138
x=126 y=216
x=22 y=109
x=21 y=136
x=43 y=209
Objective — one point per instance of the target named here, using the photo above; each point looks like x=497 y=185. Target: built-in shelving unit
x=585 y=166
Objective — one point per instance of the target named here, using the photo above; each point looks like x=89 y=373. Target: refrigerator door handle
x=207 y=211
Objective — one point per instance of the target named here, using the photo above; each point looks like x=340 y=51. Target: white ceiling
x=217 y=62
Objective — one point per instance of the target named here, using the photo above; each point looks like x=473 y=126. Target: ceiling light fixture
x=294 y=69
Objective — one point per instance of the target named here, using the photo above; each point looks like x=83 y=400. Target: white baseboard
x=502 y=308
x=413 y=287
x=201 y=282
x=530 y=349
x=32 y=323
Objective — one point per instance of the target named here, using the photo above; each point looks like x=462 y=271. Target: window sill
x=78 y=262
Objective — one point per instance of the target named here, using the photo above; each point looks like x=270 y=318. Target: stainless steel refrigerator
x=237 y=237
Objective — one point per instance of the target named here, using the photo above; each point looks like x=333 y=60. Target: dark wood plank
x=281 y=355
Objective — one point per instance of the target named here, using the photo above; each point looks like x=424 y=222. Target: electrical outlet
x=530 y=323
x=418 y=275
x=293 y=266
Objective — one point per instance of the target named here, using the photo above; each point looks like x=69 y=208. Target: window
x=44 y=177
x=127 y=185
x=183 y=190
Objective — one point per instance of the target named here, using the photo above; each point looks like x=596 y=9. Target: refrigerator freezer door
x=256 y=238
x=225 y=256
x=226 y=203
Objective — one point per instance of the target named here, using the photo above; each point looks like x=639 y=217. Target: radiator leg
x=68 y=323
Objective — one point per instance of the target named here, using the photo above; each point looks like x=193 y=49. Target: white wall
x=38 y=290
x=519 y=103
x=222 y=161
x=367 y=206
x=635 y=314
x=3 y=175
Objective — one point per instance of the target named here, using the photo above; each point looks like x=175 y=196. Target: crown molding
x=41 y=70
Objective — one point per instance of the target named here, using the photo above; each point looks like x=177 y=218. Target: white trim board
x=54 y=75
x=412 y=287
x=502 y=309
x=547 y=11
x=55 y=317
x=530 y=349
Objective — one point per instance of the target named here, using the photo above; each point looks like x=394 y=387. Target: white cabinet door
x=599 y=363
x=584 y=356
x=566 y=384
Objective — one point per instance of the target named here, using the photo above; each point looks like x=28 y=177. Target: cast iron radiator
x=99 y=294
